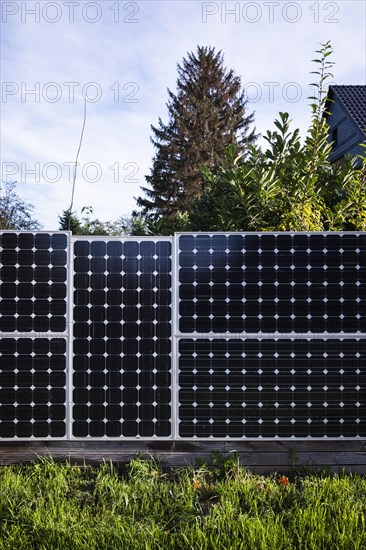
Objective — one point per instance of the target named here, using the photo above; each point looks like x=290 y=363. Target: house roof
x=353 y=99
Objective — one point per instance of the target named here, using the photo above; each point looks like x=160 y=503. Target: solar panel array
x=243 y=336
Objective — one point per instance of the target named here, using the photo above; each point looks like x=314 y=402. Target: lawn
x=219 y=506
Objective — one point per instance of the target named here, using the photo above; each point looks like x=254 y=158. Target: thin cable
x=76 y=164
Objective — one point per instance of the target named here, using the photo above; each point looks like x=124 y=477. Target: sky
x=121 y=56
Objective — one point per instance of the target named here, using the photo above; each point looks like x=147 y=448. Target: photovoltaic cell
x=122 y=338
x=272 y=388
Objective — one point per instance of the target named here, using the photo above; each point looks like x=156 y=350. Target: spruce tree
x=69 y=221
x=206 y=115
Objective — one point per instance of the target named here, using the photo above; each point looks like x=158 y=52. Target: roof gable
x=353 y=100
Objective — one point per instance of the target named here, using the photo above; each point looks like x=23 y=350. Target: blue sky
x=124 y=56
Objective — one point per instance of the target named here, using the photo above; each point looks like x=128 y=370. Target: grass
x=222 y=506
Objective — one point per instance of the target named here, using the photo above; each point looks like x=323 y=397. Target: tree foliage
x=87 y=225
x=164 y=225
x=15 y=212
x=289 y=186
x=206 y=115
x=69 y=221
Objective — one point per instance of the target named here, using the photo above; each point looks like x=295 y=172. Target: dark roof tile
x=353 y=99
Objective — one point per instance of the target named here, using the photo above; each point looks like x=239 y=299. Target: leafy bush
x=290 y=186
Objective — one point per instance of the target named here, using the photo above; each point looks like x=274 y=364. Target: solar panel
x=33 y=313
x=272 y=388
x=272 y=283
x=33 y=275
x=122 y=338
x=32 y=387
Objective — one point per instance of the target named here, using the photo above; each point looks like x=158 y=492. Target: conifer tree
x=69 y=221
x=206 y=115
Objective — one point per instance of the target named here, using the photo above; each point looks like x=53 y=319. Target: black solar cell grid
x=32 y=387
x=122 y=338
x=272 y=283
x=272 y=388
x=33 y=275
